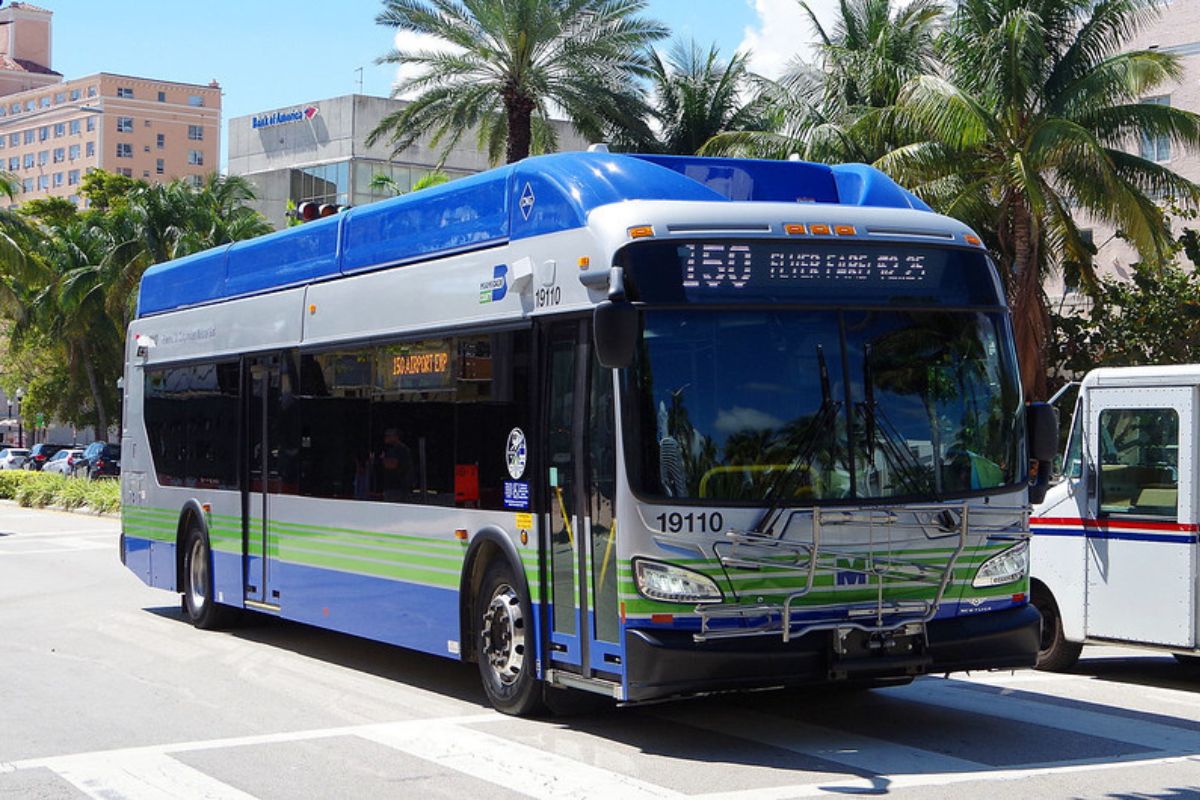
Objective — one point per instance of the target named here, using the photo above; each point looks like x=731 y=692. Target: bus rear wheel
x=199 y=601
x=1055 y=653
x=505 y=643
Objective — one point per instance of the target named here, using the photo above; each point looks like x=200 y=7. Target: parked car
x=100 y=460
x=39 y=454
x=13 y=457
x=62 y=461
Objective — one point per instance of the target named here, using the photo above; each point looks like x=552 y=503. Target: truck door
x=1140 y=558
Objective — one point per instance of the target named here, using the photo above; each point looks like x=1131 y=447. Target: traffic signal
x=308 y=210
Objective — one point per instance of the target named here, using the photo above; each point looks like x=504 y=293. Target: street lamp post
x=20 y=429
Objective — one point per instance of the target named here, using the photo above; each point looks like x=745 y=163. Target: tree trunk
x=1030 y=319
x=519 y=109
x=101 y=414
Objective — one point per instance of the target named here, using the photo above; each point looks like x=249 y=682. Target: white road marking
x=512 y=765
x=64 y=547
x=829 y=744
x=143 y=776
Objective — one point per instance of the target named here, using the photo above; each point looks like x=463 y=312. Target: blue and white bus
x=637 y=425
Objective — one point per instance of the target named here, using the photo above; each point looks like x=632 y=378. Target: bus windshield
x=805 y=405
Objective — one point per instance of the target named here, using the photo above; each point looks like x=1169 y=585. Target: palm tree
x=1028 y=127
x=511 y=62
x=697 y=96
x=840 y=109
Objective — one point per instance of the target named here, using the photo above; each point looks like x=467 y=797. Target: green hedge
x=40 y=489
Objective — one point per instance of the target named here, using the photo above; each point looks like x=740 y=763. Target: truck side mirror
x=1041 y=427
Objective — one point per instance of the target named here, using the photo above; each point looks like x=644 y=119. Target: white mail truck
x=1114 y=549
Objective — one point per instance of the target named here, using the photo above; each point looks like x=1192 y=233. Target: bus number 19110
x=691 y=522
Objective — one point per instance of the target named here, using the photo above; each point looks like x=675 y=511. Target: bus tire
x=1055 y=653
x=199 y=601
x=505 y=646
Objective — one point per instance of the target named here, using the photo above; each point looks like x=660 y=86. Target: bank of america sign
x=284 y=117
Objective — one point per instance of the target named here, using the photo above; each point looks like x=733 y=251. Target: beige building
x=53 y=132
x=1176 y=31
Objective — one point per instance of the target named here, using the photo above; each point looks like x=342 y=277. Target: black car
x=39 y=454
x=100 y=460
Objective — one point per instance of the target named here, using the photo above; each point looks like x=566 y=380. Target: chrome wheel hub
x=503 y=633
x=198 y=575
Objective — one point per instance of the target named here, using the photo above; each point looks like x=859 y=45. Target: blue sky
x=268 y=54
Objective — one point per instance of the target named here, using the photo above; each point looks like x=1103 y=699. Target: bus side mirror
x=616 y=327
x=1041 y=426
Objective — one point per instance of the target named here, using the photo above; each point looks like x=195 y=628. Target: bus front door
x=263 y=381
x=579 y=466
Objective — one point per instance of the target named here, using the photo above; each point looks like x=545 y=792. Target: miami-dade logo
x=515 y=453
x=526 y=202
x=493 y=291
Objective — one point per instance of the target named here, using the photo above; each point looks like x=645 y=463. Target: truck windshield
x=800 y=405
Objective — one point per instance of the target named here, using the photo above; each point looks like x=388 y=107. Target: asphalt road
x=106 y=692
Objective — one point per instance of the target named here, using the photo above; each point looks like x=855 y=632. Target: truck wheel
x=1055 y=653
x=199 y=600
x=505 y=643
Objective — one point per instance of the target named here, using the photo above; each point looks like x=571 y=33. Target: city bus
x=1116 y=538
x=634 y=425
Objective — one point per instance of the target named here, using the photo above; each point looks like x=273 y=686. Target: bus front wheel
x=1055 y=653
x=199 y=602
x=506 y=646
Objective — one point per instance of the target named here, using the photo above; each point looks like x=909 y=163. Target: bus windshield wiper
x=783 y=484
x=883 y=435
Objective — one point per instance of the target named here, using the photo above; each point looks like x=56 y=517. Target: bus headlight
x=672 y=584
x=1007 y=567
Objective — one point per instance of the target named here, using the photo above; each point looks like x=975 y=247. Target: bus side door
x=264 y=383
x=578 y=485
x=1141 y=554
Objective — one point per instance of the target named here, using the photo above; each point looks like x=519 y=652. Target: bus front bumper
x=667 y=663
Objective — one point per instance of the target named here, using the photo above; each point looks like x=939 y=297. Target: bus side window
x=1139 y=468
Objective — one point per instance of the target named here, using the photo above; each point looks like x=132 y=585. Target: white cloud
x=408 y=42
x=782 y=32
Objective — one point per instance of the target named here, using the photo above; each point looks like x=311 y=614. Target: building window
x=27 y=185
x=124 y=124
x=60 y=98
x=43 y=157
x=122 y=91
x=146 y=148
x=44 y=102
x=28 y=163
x=160 y=166
x=14 y=163
x=162 y=97
x=29 y=105
x=74 y=94
x=1156 y=147
x=196 y=133
x=75 y=127
x=1 y=142
x=161 y=139
x=29 y=136
x=73 y=152
x=91 y=124
x=196 y=158
x=60 y=130
x=58 y=179
x=126 y=171
x=43 y=182
x=43 y=133
x=16 y=108
x=60 y=155
x=91 y=149
x=73 y=178
x=197 y=181
x=124 y=150
x=14 y=139
x=196 y=100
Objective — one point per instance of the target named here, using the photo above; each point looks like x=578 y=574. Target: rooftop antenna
x=359 y=71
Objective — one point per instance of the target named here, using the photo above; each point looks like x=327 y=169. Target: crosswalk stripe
x=1075 y=716
x=864 y=753
x=515 y=766
x=143 y=776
